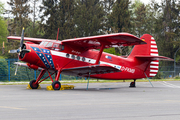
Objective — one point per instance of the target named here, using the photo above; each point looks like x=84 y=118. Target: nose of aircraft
x=27 y=54
x=36 y=56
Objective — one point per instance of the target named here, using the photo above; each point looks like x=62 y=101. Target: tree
x=169 y=28
x=120 y=16
x=88 y=18
x=59 y=15
x=3 y=25
x=34 y=11
x=140 y=18
x=119 y=21
x=66 y=19
x=20 y=9
x=108 y=6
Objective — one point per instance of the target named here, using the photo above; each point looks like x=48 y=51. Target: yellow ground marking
x=63 y=87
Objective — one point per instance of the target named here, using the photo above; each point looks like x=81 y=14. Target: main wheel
x=33 y=84
x=132 y=84
x=56 y=85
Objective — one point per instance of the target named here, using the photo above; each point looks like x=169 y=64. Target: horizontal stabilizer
x=94 y=69
x=150 y=57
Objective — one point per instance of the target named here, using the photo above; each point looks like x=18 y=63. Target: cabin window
x=57 y=47
x=43 y=43
x=61 y=47
x=49 y=44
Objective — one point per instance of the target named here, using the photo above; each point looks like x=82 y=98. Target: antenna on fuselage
x=57 y=35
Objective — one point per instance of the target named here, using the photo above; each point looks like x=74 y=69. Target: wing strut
x=100 y=53
x=148 y=79
x=88 y=79
x=147 y=76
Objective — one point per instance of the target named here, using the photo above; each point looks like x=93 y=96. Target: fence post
x=9 y=70
x=60 y=77
x=35 y=74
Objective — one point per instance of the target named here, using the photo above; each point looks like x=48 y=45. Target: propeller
x=22 y=49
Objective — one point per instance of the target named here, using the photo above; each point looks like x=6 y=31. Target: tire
x=56 y=85
x=132 y=84
x=33 y=85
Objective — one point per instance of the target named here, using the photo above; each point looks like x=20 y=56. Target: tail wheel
x=56 y=85
x=33 y=84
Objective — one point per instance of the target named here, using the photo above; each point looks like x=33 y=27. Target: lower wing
x=83 y=70
x=92 y=70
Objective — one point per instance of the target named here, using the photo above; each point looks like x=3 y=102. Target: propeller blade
x=22 y=38
x=13 y=51
x=16 y=69
x=26 y=50
x=20 y=50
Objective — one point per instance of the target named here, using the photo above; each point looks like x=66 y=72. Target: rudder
x=149 y=49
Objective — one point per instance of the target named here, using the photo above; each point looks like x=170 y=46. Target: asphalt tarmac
x=103 y=101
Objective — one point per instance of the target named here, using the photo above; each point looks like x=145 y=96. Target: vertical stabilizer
x=149 y=49
x=146 y=49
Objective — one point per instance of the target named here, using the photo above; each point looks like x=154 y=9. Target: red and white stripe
x=154 y=65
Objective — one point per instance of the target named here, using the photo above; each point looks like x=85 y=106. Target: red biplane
x=78 y=57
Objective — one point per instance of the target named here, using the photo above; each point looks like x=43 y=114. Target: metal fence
x=7 y=72
x=169 y=71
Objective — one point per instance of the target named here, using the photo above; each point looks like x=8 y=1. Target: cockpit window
x=61 y=47
x=55 y=45
x=49 y=44
x=43 y=43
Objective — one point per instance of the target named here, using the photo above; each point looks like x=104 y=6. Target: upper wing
x=110 y=40
x=149 y=57
x=92 y=70
x=94 y=42
x=34 y=40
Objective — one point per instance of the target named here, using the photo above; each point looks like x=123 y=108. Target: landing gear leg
x=56 y=84
x=34 y=84
x=133 y=84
